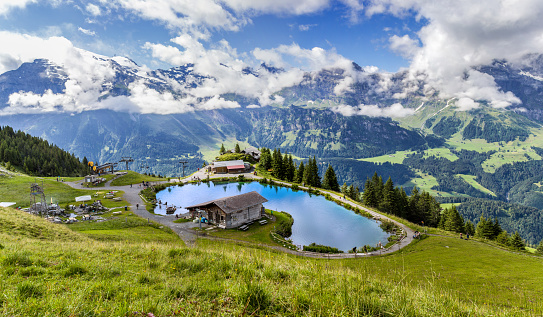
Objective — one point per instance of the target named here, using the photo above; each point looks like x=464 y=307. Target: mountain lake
x=315 y=218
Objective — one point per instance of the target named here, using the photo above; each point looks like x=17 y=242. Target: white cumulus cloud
x=461 y=34
x=86 y=32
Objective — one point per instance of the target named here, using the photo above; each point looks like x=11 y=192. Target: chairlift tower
x=127 y=159
x=37 y=196
x=184 y=165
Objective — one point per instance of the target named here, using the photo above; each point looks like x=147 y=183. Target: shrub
x=388 y=226
x=313 y=247
x=283 y=227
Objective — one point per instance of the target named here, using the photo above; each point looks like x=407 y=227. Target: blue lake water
x=315 y=218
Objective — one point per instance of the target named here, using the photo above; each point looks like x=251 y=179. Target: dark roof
x=234 y=203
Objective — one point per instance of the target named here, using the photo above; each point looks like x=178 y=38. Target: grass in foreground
x=77 y=276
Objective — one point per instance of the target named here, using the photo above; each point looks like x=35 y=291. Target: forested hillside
x=35 y=156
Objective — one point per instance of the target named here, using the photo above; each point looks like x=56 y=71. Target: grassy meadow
x=132 y=177
x=51 y=270
x=17 y=189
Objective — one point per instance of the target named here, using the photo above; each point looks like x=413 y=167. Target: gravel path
x=187 y=234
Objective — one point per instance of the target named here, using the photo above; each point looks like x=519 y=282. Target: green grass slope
x=72 y=275
x=134 y=178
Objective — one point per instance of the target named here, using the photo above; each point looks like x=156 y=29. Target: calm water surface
x=315 y=218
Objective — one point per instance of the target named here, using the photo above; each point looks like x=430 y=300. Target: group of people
x=467 y=236
x=416 y=235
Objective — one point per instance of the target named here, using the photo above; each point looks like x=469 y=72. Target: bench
x=244 y=227
x=263 y=222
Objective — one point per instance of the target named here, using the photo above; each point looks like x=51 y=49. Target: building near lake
x=231 y=212
x=253 y=152
x=231 y=167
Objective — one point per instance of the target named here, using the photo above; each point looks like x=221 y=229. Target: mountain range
x=343 y=116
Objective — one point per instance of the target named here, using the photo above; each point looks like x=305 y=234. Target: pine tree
x=277 y=164
x=503 y=238
x=344 y=188
x=388 y=201
x=290 y=169
x=222 y=150
x=516 y=242
x=368 y=196
x=311 y=173
x=402 y=203
x=300 y=173
x=265 y=159
x=453 y=222
x=469 y=228
x=237 y=149
x=329 y=181
x=315 y=178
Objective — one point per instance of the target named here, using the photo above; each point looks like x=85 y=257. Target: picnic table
x=263 y=222
x=244 y=227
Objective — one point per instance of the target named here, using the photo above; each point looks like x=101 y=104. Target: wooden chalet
x=231 y=212
x=230 y=167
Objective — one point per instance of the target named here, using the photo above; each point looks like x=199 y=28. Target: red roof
x=235 y=167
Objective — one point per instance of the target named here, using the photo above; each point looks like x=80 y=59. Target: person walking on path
x=137 y=206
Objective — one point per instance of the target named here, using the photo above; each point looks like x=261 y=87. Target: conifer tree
x=469 y=228
x=402 y=203
x=222 y=150
x=289 y=168
x=453 y=221
x=353 y=192
x=315 y=173
x=388 y=201
x=368 y=196
x=237 y=149
x=344 y=188
x=516 y=242
x=503 y=238
x=300 y=173
x=265 y=159
x=329 y=181
x=277 y=164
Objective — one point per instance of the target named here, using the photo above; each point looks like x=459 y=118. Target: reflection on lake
x=315 y=218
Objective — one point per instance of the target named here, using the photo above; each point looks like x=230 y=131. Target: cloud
x=394 y=111
x=184 y=14
x=459 y=34
x=309 y=59
x=86 y=32
x=93 y=9
x=8 y=5
x=277 y=6
x=306 y=27
x=466 y=104
x=356 y=7
x=405 y=46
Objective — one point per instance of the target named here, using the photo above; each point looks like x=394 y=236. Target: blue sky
x=122 y=32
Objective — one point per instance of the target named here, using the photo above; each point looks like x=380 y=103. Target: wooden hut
x=231 y=212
